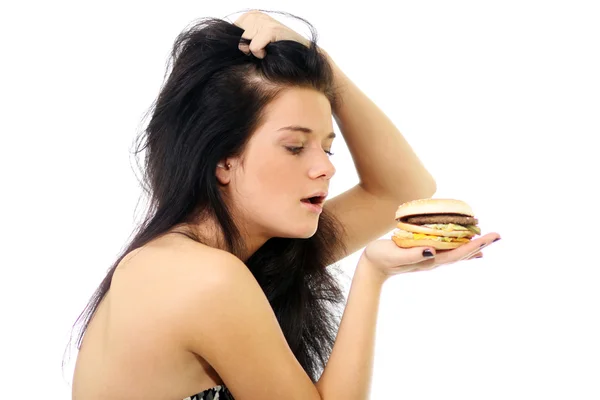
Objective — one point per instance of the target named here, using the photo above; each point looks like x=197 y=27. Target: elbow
x=425 y=190
x=428 y=187
x=432 y=188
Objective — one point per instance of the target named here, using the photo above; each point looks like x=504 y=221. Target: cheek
x=276 y=179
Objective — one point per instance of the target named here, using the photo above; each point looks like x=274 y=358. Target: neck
x=212 y=235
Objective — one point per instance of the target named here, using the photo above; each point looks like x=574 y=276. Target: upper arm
x=231 y=324
x=365 y=217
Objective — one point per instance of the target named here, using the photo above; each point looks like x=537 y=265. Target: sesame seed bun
x=433 y=206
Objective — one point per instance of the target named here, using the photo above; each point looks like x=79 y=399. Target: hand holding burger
x=431 y=232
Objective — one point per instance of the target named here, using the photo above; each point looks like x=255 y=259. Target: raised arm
x=389 y=171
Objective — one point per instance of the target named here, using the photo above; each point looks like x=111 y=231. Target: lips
x=316 y=198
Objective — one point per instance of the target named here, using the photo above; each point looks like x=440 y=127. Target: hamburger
x=442 y=224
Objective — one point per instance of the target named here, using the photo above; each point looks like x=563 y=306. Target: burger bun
x=433 y=206
x=408 y=243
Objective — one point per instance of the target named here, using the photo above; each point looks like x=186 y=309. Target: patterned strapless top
x=219 y=392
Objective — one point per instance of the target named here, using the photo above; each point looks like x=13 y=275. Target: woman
x=224 y=292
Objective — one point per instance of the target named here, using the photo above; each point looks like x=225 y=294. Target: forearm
x=385 y=162
x=350 y=366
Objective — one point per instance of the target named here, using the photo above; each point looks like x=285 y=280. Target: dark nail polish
x=427 y=253
x=495 y=240
x=483 y=245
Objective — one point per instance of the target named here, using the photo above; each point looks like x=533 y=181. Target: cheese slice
x=422 y=236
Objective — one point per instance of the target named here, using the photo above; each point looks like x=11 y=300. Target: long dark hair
x=207 y=109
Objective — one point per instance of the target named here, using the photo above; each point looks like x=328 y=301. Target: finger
x=262 y=38
x=249 y=33
x=240 y=21
x=468 y=249
x=417 y=255
x=430 y=266
x=472 y=255
x=247 y=37
x=489 y=240
x=479 y=254
x=427 y=267
x=244 y=48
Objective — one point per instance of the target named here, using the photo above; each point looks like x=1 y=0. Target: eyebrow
x=304 y=129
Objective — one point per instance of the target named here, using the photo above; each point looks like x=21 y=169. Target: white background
x=501 y=100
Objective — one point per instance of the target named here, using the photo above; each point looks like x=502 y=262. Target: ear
x=223 y=172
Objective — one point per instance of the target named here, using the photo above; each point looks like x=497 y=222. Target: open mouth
x=314 y=200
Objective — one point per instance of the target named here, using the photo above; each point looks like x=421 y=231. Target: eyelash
x=296 y=150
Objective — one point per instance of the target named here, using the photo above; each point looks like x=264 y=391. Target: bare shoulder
x=141 y=324
x=172 y=259
x=169 y=270
x=215 y=308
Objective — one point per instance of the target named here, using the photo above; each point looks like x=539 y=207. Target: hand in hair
x=261 y=29
x=389 y=259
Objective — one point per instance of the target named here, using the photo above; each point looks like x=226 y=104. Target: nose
x=322 y=167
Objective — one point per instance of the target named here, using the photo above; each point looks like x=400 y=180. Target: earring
x=221 y=166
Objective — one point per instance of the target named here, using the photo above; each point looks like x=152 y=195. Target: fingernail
x=427 y=254
x=479 y=257
x=495 y=240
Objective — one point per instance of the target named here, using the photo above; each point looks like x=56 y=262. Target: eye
x=294 y=150
x=297 y=150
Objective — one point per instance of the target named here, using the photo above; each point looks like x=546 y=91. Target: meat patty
x=442 y=219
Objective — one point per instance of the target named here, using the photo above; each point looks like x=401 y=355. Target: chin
x=285 y=225
x=302 y=232
x=308 y=235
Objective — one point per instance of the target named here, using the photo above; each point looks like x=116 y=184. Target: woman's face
x=283 y=166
